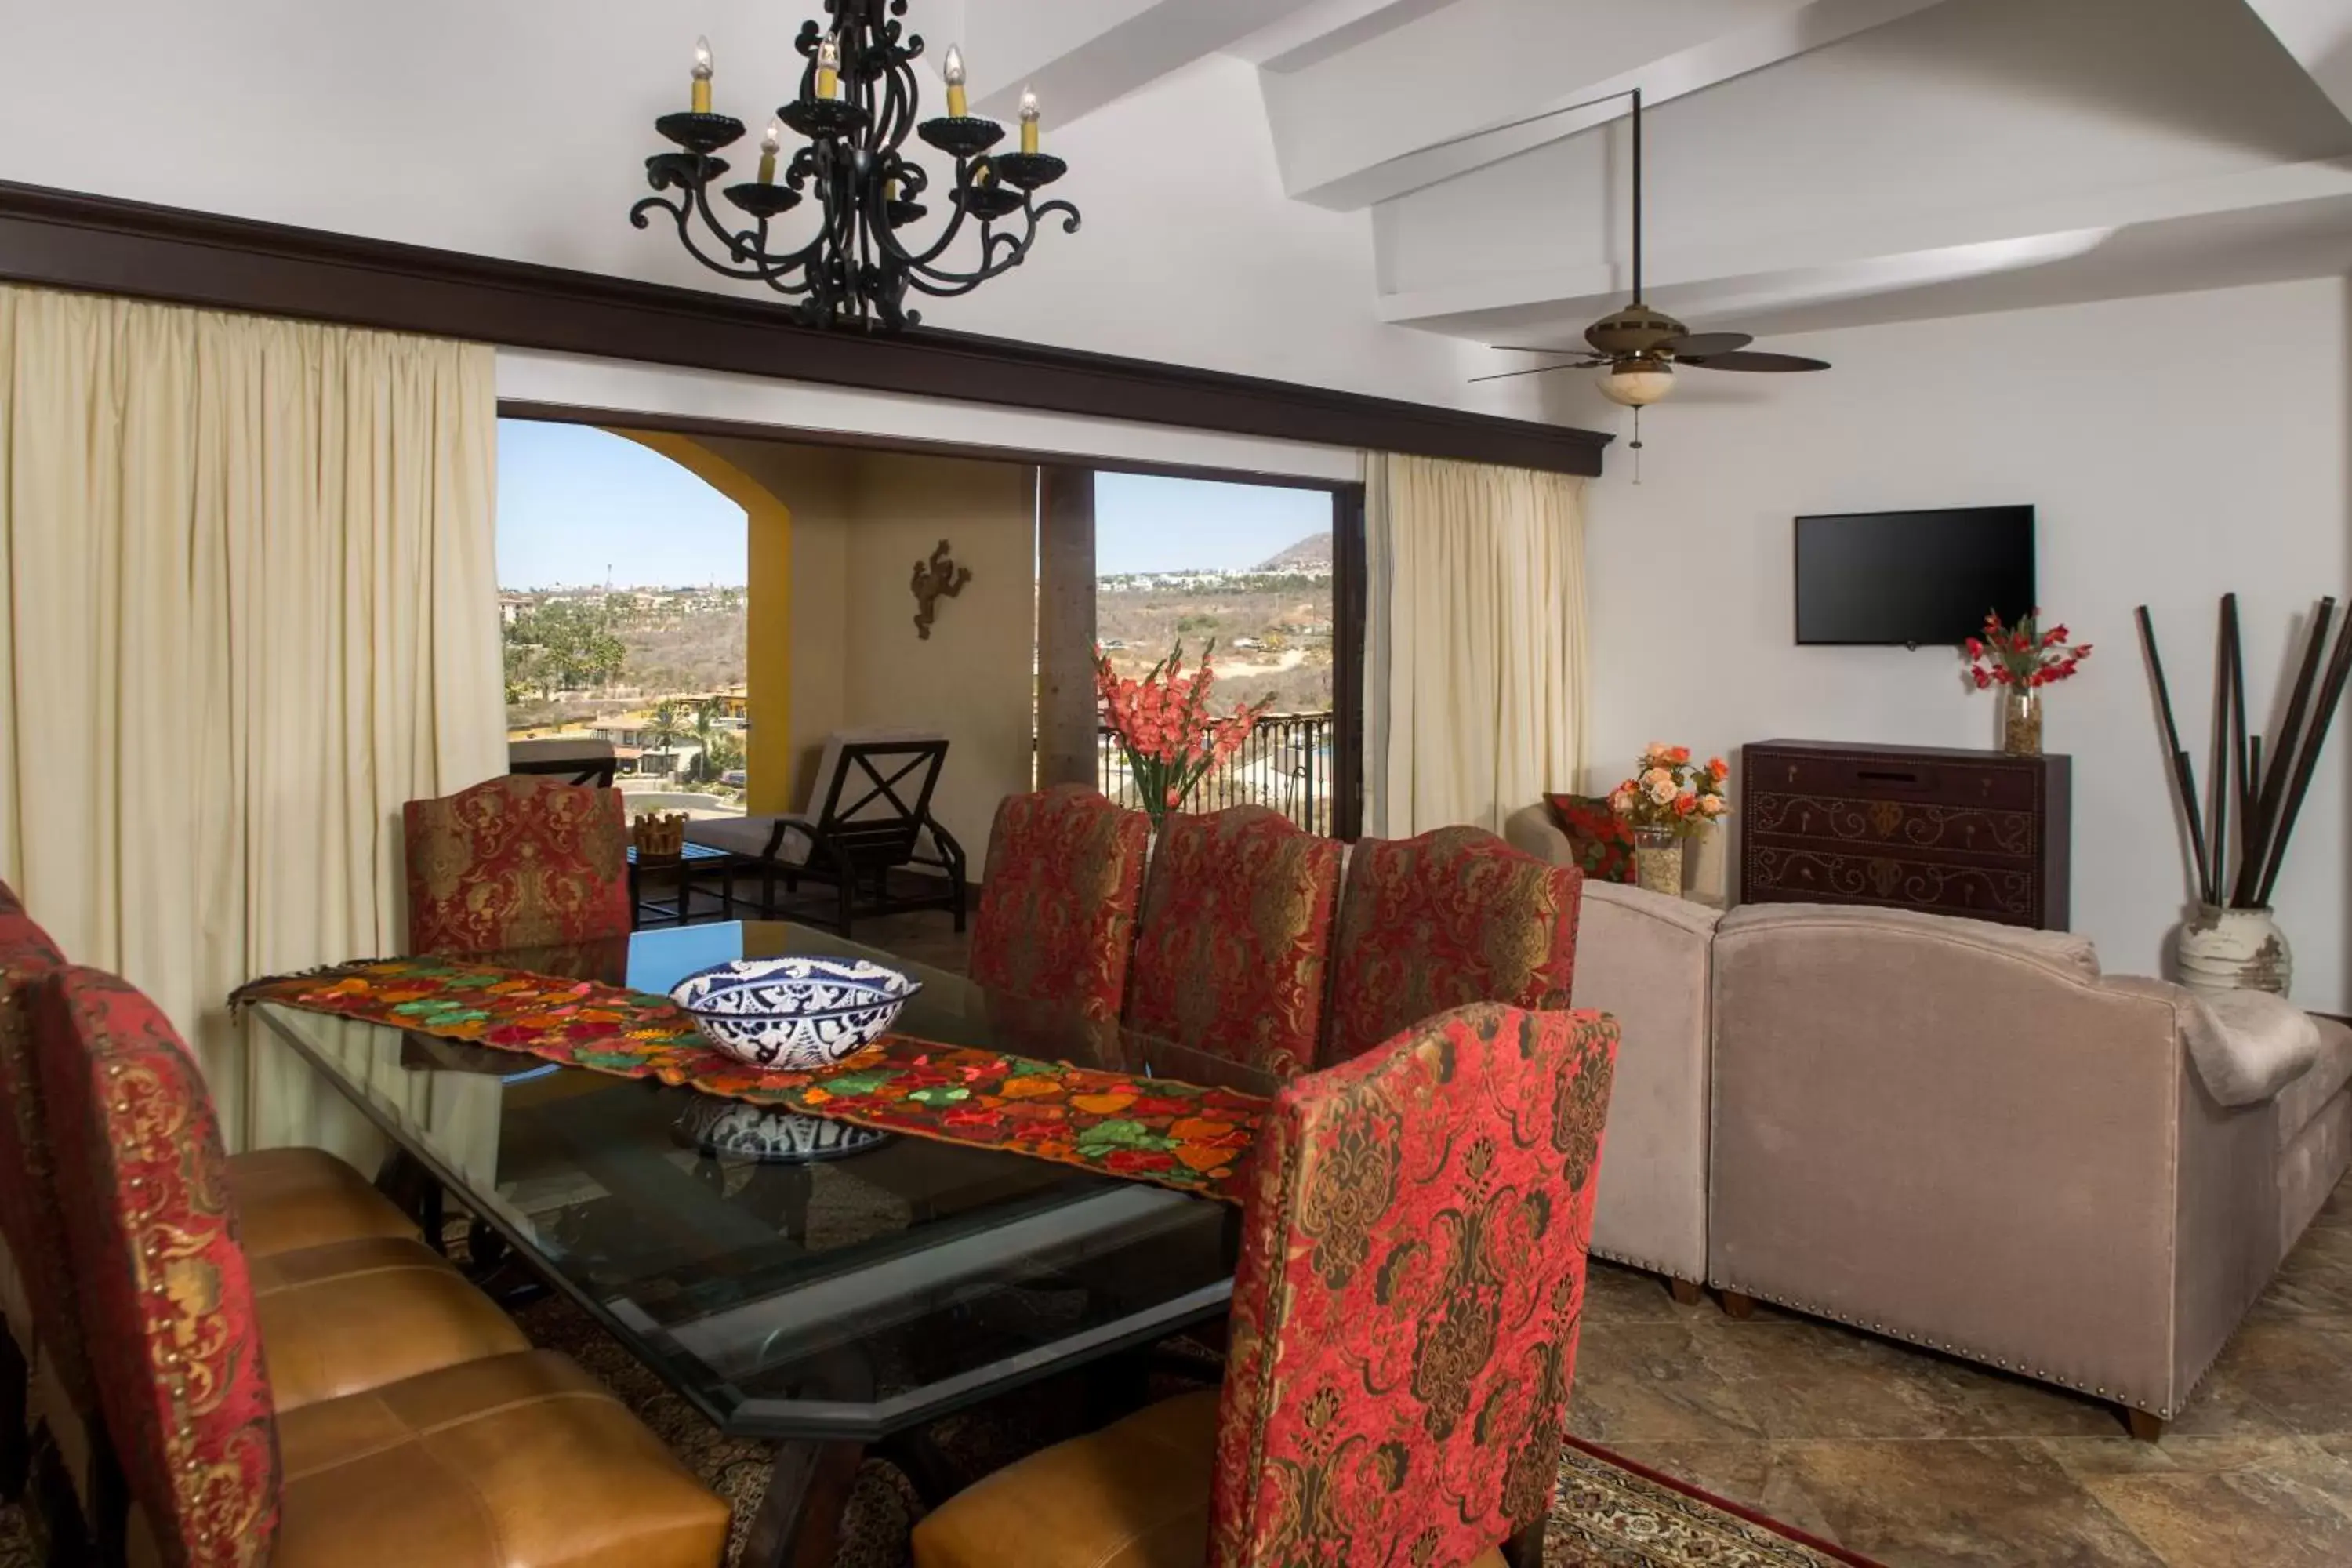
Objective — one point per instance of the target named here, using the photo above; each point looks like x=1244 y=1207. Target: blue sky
x=577 y=506
x=1147 y=524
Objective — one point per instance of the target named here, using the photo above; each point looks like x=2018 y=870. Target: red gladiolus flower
x=1983 y=680
x=1976 y=648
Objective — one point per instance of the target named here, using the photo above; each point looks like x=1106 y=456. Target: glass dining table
x=831 y=1304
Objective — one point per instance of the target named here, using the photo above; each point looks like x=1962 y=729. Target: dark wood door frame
x=67 y=239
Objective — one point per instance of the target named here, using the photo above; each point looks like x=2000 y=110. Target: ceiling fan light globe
x=1638 y=386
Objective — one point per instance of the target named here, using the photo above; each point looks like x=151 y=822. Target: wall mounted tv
x=1912 y=579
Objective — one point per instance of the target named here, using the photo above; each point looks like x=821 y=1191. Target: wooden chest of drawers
x=1981 y=834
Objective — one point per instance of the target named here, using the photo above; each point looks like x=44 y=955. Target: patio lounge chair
x=869 y=813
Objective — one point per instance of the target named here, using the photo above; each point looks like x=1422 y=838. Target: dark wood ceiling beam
x=69 y=240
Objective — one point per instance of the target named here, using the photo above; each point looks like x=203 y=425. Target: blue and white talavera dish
x=792 y=1014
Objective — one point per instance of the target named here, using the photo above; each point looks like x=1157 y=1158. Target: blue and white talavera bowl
x=794 y=1014
x=763 y=1134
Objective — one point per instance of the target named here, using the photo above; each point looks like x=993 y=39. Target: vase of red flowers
x=1167 y=729
x=1668 y=800
x=2021 y=659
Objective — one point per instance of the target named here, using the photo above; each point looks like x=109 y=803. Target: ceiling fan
x=1640 y=345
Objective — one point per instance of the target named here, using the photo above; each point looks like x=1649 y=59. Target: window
x=1250 y=567
x=621 y=598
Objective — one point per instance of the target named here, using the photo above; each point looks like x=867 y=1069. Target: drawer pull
x=1882 y=776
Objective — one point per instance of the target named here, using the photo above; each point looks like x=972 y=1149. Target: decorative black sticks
x=2269 y=791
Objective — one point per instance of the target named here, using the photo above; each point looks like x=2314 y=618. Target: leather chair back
x=1236 y=938
x=517 y=861
x=1453 y=916
x=1411 y=1278
x=1057 y=909
x=161 y=1285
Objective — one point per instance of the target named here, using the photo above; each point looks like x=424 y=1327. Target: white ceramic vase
x=2235 y=950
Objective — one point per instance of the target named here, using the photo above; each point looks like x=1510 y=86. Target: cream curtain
x=1476 y=650
x=250 y=581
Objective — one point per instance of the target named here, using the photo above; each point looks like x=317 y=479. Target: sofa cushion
x=2248 y=1045
x=1601 y=842
x=2306 y=1097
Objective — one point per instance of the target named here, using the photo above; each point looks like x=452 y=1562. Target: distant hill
x=1315 y=550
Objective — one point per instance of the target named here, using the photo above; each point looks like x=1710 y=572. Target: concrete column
x=1066 y=626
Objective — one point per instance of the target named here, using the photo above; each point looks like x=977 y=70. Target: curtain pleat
x=1476 y=641
x=248 y=610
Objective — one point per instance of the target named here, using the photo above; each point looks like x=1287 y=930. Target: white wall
x=521 y=130
x=2177 y=447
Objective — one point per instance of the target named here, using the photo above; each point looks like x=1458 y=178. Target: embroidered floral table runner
x=1145 y=1128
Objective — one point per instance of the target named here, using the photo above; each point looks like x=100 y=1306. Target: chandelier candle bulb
x=702 y=76
x=959 y=104
x=770 y=145
x=828 y=69
x=1029 y=115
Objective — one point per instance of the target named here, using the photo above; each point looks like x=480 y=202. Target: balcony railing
x=1286 y=764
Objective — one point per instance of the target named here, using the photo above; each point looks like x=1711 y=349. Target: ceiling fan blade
x=1523 y=349
x=1538 y=370
x=1705 y=343
x=1744 y=360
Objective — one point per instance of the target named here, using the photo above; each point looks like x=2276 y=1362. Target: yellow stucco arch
x=768 y=634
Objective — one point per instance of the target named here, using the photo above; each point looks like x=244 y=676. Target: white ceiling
x=1811 y=163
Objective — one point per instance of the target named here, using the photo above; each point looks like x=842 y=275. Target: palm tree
x=706 y=717
x=667 y=726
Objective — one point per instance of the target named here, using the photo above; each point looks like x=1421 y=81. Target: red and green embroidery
x=1154 y=1130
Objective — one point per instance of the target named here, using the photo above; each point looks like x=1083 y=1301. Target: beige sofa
x=1643 y=957
x=1965 y=1136
x=1959 y=1134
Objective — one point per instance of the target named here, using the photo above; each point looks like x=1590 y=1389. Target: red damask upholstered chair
x=1057 y=908
x=363 y=1300
x=32 y=1286
x=1235 y=936
x=518 y=861
x=1441 y=920
x=502 y=1460
x=1405 y=1327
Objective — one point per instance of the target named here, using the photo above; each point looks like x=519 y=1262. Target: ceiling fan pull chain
x=1637 y=443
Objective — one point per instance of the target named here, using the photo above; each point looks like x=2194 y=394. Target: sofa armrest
x=1532 y=831
x=2247 y=1045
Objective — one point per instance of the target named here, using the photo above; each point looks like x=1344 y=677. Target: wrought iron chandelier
x=856 y=102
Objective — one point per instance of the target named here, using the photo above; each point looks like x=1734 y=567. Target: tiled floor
x=1923 y=1462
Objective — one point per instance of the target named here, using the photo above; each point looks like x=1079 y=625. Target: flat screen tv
x=1912 y=579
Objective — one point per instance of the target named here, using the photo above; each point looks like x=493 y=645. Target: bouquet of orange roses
x=1165 y=727
x=1670 y=793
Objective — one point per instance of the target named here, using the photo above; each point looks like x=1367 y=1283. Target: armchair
x=1645 y=959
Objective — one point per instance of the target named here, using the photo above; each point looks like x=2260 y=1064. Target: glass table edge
x=753 y=1417
x=857 y=1421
